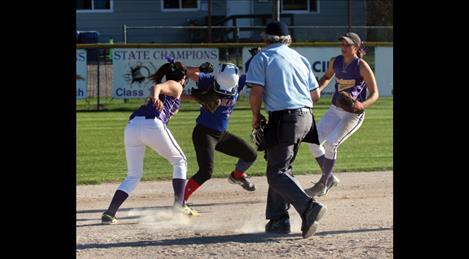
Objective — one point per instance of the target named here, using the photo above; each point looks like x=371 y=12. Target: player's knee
x=179 y=162
x=134 y=174
x=316 y=150
x=330 y=150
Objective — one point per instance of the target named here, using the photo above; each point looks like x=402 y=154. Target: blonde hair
x=277 y=39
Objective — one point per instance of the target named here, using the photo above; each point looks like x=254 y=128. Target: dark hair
x=361 y=51
x=173 y=71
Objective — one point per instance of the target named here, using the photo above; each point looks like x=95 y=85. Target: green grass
x=101 y=155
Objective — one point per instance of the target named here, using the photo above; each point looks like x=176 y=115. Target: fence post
x=97 y=83
x=238 y=51
x=109 y=56
x=209 y=21
x=276 y=10
x=349 y=11
x=125 y=34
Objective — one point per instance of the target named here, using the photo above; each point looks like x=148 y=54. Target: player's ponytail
x=160 y=73
x=172 y=70
x=361 y=51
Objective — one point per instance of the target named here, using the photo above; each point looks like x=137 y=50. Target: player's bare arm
x=326 y=78
x=370 y=80
x=255 y=100
x=193 y=73
x=154 y=96
x=171 y=88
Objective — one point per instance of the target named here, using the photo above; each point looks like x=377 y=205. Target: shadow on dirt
x=204 y=240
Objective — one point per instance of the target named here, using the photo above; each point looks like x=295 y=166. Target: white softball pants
x=153 y=133
x=333 y=129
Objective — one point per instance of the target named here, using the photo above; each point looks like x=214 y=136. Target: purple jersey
x=348 y=79
x=170 y=107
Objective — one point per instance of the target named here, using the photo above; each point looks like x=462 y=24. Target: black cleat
x=311 y=217
x=244 y=182
x=279 y=226
x=107 y=219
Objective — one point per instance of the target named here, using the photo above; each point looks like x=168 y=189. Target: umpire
x=283 y=79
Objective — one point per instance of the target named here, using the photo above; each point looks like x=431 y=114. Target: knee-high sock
x=242 y=165
x=238 y=174
x=191 y=186
x=320 y=161
x=328 y=165
x=117 y=200
x=178 y=187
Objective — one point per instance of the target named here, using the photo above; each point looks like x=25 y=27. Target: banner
x=132 y=67
x=319 y=58
x=81 y=85
x=384 y=70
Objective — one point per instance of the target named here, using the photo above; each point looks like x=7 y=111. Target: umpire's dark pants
x=291 y=126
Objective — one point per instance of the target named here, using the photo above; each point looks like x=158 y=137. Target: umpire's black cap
x=277 y=29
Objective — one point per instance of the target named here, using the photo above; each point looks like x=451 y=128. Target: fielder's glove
x=257 y=135
x=206 y=67
x=346 y=102
x=254 y=51
x=209 y=99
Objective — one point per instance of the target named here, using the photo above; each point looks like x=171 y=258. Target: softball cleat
x=243 y=181
x=186 y=210
x=107 y=219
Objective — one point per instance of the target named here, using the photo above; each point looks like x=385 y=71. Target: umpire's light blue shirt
x=286 y=76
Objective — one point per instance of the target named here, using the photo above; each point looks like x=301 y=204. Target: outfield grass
x=101 y=155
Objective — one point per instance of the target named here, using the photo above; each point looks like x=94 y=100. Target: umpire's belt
x=290 y=111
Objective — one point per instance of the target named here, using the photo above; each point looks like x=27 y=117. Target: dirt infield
x=358 y=223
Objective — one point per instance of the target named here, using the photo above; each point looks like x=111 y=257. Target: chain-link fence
x=199 y=34
x=100 y=69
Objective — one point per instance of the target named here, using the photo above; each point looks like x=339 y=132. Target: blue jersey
x=348 y=79
x=218 y=120
x=149 y=110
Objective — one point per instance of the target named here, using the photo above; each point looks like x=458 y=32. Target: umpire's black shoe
x=279 y=226
x=310 y=218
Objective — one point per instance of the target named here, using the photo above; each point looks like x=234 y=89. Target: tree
x=379 y=13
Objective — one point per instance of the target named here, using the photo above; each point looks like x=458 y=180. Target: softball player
x=210 y=132
x=353 y=75
x=147 y=126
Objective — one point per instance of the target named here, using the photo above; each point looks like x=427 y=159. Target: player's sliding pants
x=207 y=140
x=153 y=133
x=333 y=129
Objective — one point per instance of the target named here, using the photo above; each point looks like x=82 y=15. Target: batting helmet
x=226 y=79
